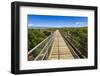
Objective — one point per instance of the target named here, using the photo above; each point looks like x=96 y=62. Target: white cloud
x=77 y=23
x=30 y=24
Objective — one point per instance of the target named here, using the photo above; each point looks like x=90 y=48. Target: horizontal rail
x=44 y=50
x=71 y=49
x=37 y=45
x=73 y=40
x=75 y=49
x=47 y=51
x=38 y=52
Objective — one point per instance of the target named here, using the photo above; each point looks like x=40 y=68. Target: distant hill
x=53 y=27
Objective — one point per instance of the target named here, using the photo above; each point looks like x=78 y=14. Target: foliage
x=35 y=36
x=78 y=36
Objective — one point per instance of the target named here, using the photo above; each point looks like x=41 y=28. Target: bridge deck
x=59 y=48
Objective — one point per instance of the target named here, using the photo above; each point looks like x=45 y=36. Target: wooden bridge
x=59 y=49
x=54 y=47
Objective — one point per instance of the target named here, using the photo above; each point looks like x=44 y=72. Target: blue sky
x=57 y=21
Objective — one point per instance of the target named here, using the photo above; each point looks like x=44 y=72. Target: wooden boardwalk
x=59 y=48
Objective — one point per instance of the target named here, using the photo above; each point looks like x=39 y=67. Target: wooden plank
x=59 y=49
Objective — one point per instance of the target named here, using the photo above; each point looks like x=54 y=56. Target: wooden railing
x=76 y=53
x=40 y=52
